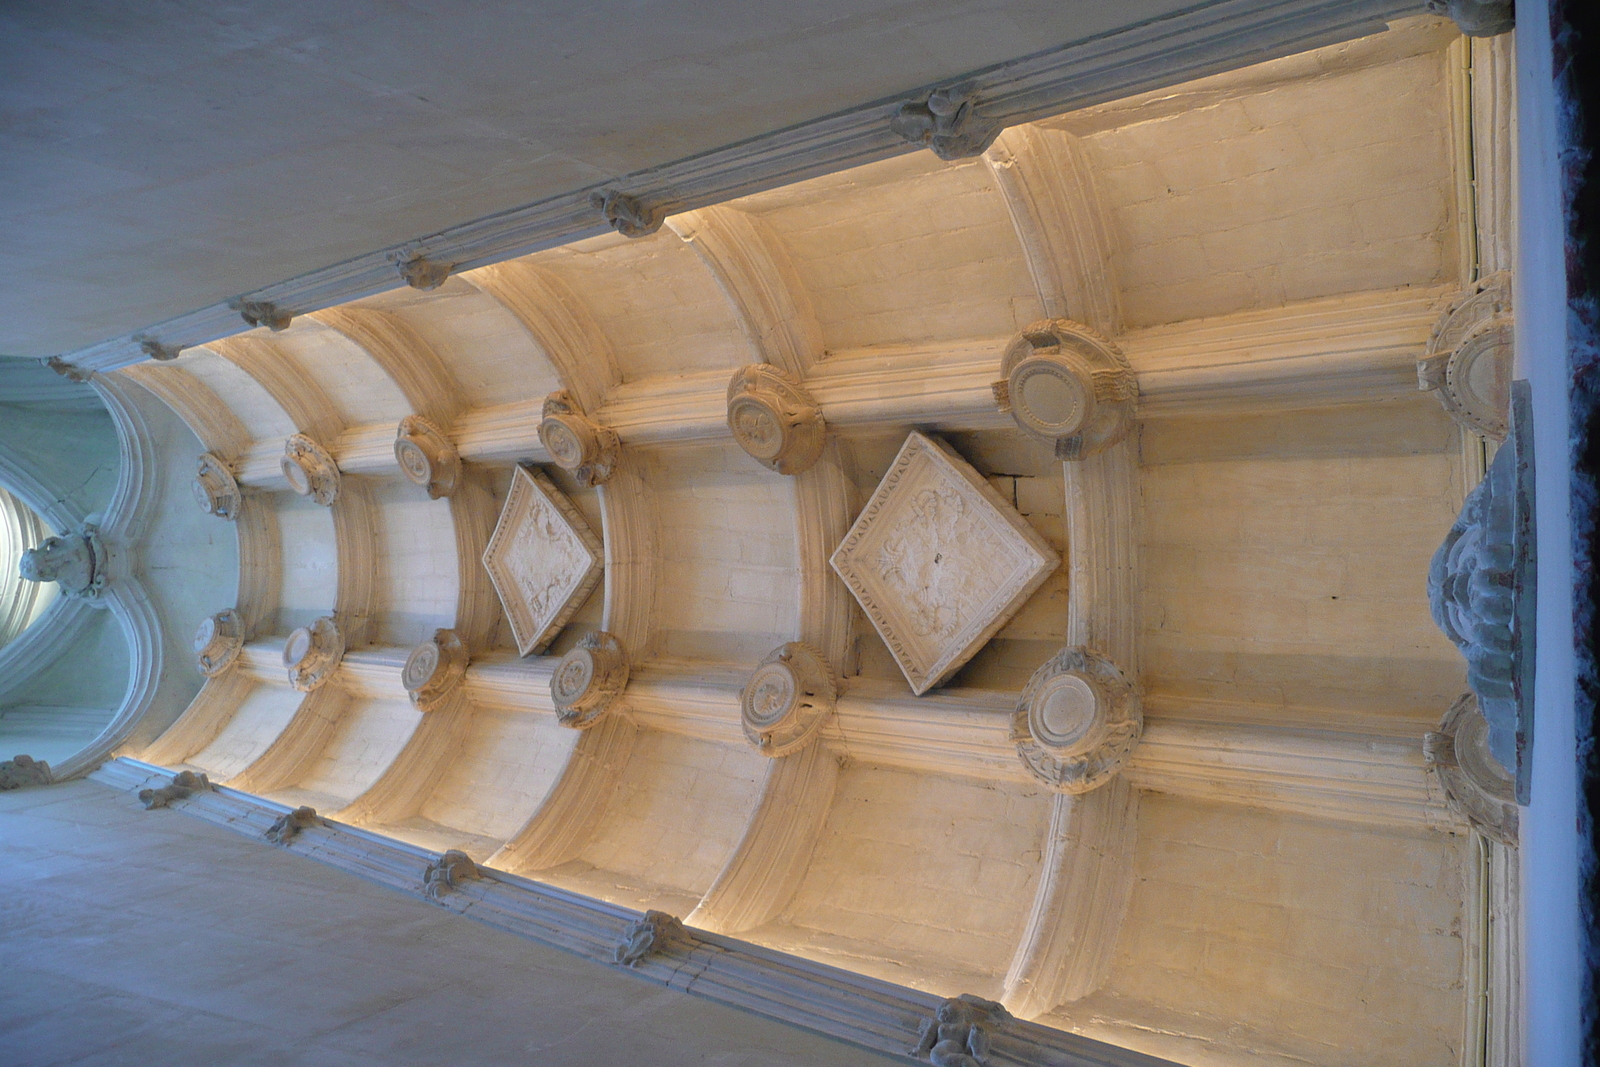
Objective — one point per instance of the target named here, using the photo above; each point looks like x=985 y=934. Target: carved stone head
x=66 y=559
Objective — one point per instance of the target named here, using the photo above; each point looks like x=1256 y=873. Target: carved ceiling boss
x=74 y=560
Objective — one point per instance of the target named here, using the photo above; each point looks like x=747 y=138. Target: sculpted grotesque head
x=65 y=559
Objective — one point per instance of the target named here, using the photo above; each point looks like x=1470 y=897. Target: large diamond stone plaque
x=543 y=558
x=939 y=561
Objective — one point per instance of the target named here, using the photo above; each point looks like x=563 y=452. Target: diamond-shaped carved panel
x=543 y=558
x=939 y=561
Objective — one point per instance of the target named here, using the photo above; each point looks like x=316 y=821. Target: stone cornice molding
x=868 y=1012
x=1055 y=209
x=558 y=324
x=1197 y=41
x=752 y=267
x=765 y=871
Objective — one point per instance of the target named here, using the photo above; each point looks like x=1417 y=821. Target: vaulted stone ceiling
x=1271 y=876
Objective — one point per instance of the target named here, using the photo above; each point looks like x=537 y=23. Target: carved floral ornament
x=312 y=653
x=1069 y=385
x=576 y=443
x=1468 y=361
x=427 y=457
x=434 y=669
x=75 y=560
x=215 y=488
x=543 y=558
x=774 y=418
x=787 y=699
x=1078 y=721
x=218 y=641
x=947 y=123
x=588 y=680
x=310 y=470
x=1478 y=788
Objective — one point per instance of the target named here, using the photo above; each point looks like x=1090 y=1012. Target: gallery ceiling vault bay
x=1002 y=576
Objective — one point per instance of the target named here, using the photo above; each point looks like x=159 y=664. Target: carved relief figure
x=19 y=771
x=447 y=872
x=543 y=559
x=287 y=826
x=946 y=123
x=647 y=936
x=184 y=785
x=918 y=556
x=73 y=560
x=958 y=1033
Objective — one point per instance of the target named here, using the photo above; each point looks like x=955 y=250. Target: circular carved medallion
x=312 y=653
x=576 y=444
x=1067 y=384
x=310 y=470
x=217 y=642
x=1077 y=722
x=1477 y=786
x=774 y=419
x=215 y=489
x=426 y=456
x=787 y=699
x=434 y=669
x=1468 y=361
x=588 y=679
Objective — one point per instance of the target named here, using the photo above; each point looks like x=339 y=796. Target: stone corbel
x=590 y=451
x=20 y=771
x=1477 y=787
x=312 y=653
x=588 y=680
x=1078 y=721
x=787 y=699
x=427 y=457
x=420 y=272
x=653 y=933
x=262 y=313
x=1468 y=361
x=946 y=123
x=1477 y=18
x=627 y=214
x=1067 y=384
x=774 y=419
x=1482 y=592
x=69 y=371
x=286 y=827
x=434 y=669
x=310 y=470
x=218 y=641
x=958 y=1034
x=215 y=488
x=184 y=785
x=447 y=872
x=156 y=350
x=76 y=561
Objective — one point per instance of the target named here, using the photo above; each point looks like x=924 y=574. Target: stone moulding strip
x=863 y=1011
x=1200 y=40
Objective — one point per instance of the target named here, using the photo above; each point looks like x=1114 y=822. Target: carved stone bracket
x=774 y=418
x=588 y=679
x=427 y=456
x=310 y=470
x=1478 y=788
x=69 y=371
x=1067 y=384
x=215 y=488
x=420 y=272
x=1477 y=18
x=76 y=561
x=628 y=215
x=434 y=669
x=20 y=771
x=447 y=873
x=946 y=123
x=587 y=449
x=958 y=1034
x=217 y=642
x=287 y=826
x=158 y=351
x=647 y=936
x=1078 y=721
x=312 y=653
x=262 y=313
x=1468 y=361
x=1481 y=588
x=787 y=699
x=184 y=785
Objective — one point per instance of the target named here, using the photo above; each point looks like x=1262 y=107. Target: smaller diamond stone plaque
x=543 y=558
x=939 y=561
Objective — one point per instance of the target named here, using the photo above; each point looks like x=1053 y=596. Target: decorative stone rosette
x=310 y=470
x=215 y=488
x=774 y=419
x=787 y=699
x=588 y=679
x=1468 y=361
x=1067 y=384
x=312 y=653
x=1477 y=787
x=434 y=669
x=427 y=457
x=217 y=642
x=587 y=449
x=1078 y=721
